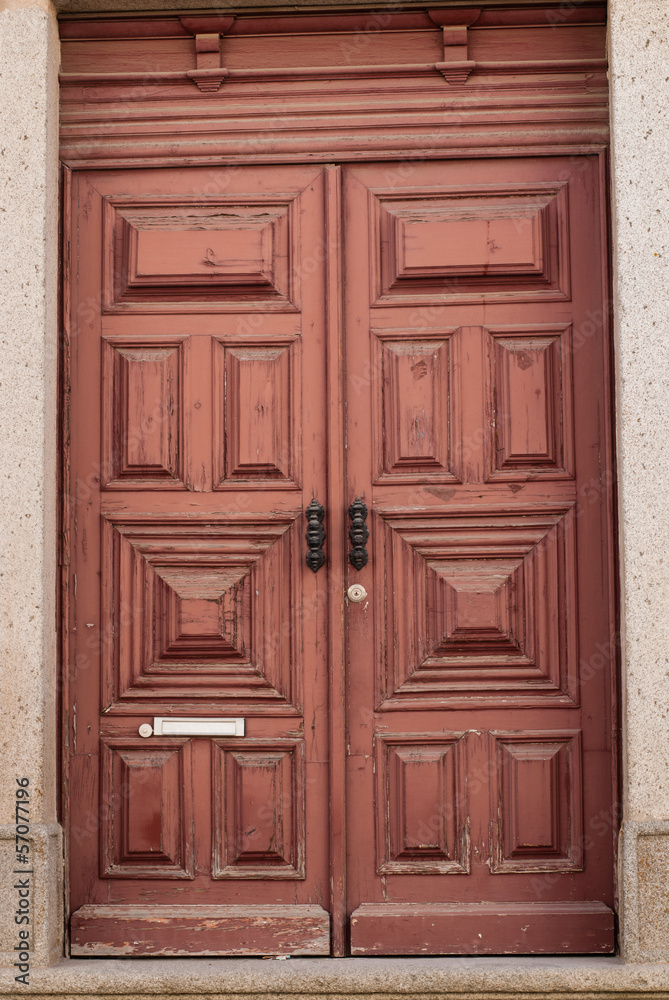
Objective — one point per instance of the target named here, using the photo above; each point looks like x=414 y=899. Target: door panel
x=191 y=475
x=477 y=433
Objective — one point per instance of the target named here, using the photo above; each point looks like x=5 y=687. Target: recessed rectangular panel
x=146 y=810
x=537 y=795
x=142 y=414
x=259 y=811
x=449 y=245
x=528 y=430
x=415 y=407
x=215 y=250
x=421 y=805
x=257 y=401
x=530 y=389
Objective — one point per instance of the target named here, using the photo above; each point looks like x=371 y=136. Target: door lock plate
x=356 y=593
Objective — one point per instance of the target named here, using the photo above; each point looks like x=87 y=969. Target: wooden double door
x=427 y=770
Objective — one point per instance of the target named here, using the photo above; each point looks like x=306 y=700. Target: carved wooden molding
x=454 y=24
x=208 y=23
x=555 y=99
x=208 y=74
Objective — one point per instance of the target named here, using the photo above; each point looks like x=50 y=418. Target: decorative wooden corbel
x=454 y=24
x=208 y=74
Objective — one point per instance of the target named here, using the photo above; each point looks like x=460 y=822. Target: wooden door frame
x=335 y=361
x=90 y=142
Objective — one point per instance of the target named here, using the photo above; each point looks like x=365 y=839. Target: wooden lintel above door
x=335 y=18
x=382 y=84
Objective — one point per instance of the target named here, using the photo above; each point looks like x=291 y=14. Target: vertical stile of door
x=64 y=484
x=336 y=548
x=609 y=507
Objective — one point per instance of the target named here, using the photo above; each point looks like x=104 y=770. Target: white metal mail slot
x=193 y=727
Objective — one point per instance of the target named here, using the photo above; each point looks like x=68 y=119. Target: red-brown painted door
x=479 y=733
x=197 y=399
x=480 y=728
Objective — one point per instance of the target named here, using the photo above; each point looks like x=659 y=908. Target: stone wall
x=28 y=393
x=639 y=68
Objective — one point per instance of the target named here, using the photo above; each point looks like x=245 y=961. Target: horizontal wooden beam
x=121 y=930
x=482 y=928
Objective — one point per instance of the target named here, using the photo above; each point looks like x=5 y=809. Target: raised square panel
x=458 y=245
x=142 y=406
x=413 y=404
x=530 y=394
x=170 y=252
x=421 y=805
x=194 y=614
x=477 y=605
x=489 y=608
x=259 y=810
x=537 y=799
x=146 y=809
x=257 y=434
x=201 y=613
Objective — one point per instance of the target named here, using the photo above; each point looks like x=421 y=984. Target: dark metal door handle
x=358 y=534
x=315 y=535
